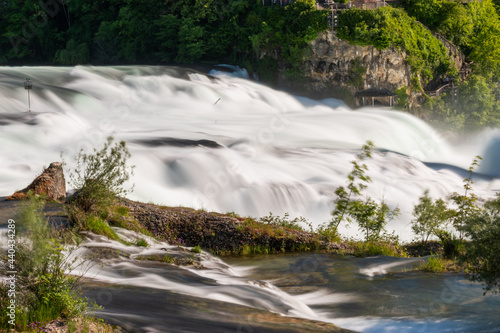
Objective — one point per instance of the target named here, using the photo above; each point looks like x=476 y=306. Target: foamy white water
x=217 y=280
x=263 y=150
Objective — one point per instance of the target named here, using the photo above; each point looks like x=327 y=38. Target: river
x=225 y=143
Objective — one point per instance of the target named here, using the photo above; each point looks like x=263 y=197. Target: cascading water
x=225 y=143
x=368 y=295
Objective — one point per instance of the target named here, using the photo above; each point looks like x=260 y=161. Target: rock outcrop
x=50 y=183
x=218 y=232
x=333 y=60
x=338 y=69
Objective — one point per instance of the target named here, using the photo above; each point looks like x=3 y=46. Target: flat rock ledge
x=220 y=233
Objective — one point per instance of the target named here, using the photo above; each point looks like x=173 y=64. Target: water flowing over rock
x=279 y=153
x=51 y=183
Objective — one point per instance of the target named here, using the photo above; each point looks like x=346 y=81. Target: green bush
x=430 y=216
x=44 y=291
x=90 y=222
x=122 y=210
x=452 y=247
x=483 y=231
x=99 y=177
x=370 y=248
x=98 y=226
x=434 y=264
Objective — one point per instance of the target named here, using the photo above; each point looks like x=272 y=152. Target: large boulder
x=50 y=183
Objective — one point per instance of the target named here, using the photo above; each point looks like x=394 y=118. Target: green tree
x=457 y=25
x=474 y=27
x=192 y=42
x=357 y=182
x=467 y=204
x=168 y=37
x=429 y=12
x=430 y=215
x=477 y=103
x=483 y=231
x=370 y=216
x=476 y=106
x=485 y=37
x=74 y=54
x=31 y=31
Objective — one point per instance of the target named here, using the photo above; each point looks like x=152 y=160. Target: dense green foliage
x=150 y=31
x=476 y=106
x=434 y=264
x=474 y=238
x=388 y=26
x=467 y=204
x=474 y=27
x=483 y=230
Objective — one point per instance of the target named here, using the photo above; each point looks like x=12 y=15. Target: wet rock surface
x=166 y=311
x=420 y=249
x=183 y=143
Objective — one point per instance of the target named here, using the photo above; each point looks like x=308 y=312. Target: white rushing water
x=265 y=150
x=216 y=280
x=365 y=294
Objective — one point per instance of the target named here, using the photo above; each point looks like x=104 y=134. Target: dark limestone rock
x=50 y=183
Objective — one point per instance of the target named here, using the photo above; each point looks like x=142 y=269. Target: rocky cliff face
x=334 y=62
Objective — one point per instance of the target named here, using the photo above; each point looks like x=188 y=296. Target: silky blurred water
x=225 y=143
x=374 y=294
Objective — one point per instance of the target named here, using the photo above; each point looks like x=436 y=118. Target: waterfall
x=225 y=143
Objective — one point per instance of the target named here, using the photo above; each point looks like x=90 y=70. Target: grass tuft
x=141 y=242
x=435 y=264
x=196 y=249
